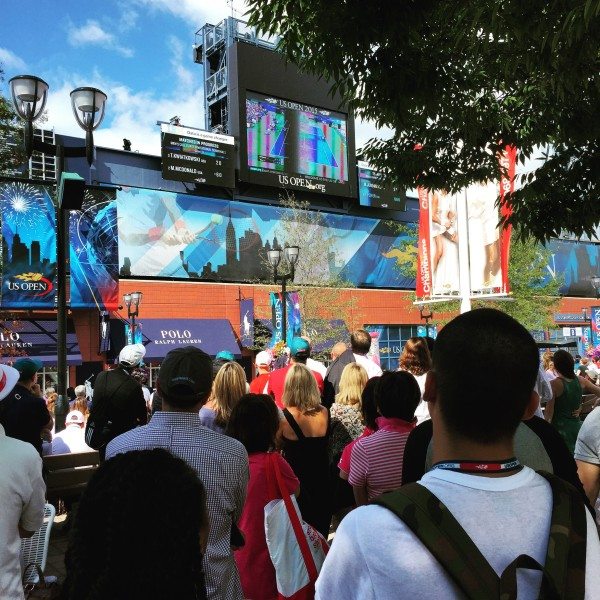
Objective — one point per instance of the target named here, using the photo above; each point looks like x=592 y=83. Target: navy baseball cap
x=28 y=367
x=186 y=373
x=299 y=347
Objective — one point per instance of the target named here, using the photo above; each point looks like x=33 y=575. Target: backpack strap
x=567 y=545
x=435 y=526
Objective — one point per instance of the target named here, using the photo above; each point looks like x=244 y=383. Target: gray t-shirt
x=587 y=448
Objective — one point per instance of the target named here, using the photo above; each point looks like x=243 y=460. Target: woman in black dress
x=305 y=434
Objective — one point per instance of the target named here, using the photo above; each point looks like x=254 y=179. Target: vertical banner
x=94 y=254
x=586 y=340
x=423 y=288
x=595 y=326
x=28 y=246
x=508 y=162
x=293 y=317
x=247 y=323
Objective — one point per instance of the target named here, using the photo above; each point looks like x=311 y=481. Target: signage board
x=197 y=156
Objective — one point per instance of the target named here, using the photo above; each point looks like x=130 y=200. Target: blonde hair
x=352 y=383
x=227 y=389
x=51 y=402
x=81 y=405
x=300 y=389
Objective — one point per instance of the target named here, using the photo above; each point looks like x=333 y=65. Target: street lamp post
x=290 y=254
x=132 y=302
x=29 y=95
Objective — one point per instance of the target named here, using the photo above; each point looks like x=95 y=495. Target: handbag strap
x=309 y=561
x=293 y=424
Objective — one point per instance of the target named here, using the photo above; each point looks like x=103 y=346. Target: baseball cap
x=132 y=355
x=263 y=358
x=28 y=367
x=8 y=380
x=299 y=347
x=225 y=355
x=186 y=372
x=75 y=416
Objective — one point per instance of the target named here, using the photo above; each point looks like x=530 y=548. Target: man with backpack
x=479 y=524
x=118 y=403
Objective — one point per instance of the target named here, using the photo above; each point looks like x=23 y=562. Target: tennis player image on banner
x=437 y=267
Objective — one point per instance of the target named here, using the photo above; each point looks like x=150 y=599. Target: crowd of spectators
x=177 y=507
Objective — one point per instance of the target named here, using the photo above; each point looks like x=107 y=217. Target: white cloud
x=129 y=114
x=92 y=33
x=128 y=18
x=197 y=12
x=365 y=130
x=9 y=60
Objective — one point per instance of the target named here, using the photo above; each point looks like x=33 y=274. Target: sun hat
x=299 y=348
x=75 y=416
x=28 y=367
x=263 y=358
x=8 y=379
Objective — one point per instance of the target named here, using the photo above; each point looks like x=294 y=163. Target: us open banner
x=95 y=252
x=28 y=246
x=508 y=161
x=293 y=317
x=423 y=284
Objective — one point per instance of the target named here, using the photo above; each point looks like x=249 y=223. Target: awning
x=211 y=335
x=556 y=344
x=36 y=339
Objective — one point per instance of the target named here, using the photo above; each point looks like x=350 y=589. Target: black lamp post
x=290 y=254
x=426 y=314
x=595 y=281
x=29 y=95
x=132 y=302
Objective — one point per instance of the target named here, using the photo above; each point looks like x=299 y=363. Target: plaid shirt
x=222 y=465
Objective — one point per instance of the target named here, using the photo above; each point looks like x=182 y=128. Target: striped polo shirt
x=376 y=460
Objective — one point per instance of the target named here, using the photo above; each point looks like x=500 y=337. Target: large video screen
x=295 y=145
x=375 y=191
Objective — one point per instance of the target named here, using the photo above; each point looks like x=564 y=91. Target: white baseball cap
x=8 y=380
x=263 y=358
x=75 y=416
x=132 y=355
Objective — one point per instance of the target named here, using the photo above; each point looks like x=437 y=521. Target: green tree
x=461 y=80
x=12 y=155
x=324 y=294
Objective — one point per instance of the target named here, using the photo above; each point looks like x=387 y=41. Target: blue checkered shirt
x=222 y=465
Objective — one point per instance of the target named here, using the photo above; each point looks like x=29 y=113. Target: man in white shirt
x=503 y=507
x=72 y=438
x=360 y=341
x=22 y=492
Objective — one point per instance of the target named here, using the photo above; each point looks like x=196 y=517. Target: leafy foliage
x=12 y=155
x=461 y=80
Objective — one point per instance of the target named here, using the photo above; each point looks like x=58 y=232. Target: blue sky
x=139 y=52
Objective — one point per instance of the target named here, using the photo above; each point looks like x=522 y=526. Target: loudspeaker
x=71 y=191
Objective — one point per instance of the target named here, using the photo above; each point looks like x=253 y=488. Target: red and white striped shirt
x=376 y=460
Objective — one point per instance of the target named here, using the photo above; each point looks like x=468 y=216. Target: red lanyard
x=479 y=466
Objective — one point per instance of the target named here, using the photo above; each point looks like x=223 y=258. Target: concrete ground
x=55 y=563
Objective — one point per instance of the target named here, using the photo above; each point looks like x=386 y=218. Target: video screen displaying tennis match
x=291 y=144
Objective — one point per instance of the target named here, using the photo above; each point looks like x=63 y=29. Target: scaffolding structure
x=210 y=50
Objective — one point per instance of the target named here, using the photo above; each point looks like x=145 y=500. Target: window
x=392 y=339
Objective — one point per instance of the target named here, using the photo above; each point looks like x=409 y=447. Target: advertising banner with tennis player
x=488 y=244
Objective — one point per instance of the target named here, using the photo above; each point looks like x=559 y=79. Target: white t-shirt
x=315 y=365
x=22 y=492
x=372 y=369
x=504 y=516
x=70 y=440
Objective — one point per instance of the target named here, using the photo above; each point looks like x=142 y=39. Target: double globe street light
x=29 y=94
x=290 y=255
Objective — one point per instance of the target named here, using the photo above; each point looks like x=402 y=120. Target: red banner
x=424 y=273
x=508 y=161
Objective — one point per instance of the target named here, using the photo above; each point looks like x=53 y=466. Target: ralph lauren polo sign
x=176 y=337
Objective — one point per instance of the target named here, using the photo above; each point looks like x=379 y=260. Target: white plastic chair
x=35 y=548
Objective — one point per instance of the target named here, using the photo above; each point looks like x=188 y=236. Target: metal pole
x=62 y=239
x=463 y=253
x=284 y=310
x=133 y=328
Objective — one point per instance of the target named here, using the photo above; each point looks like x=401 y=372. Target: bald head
x=338 y=349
